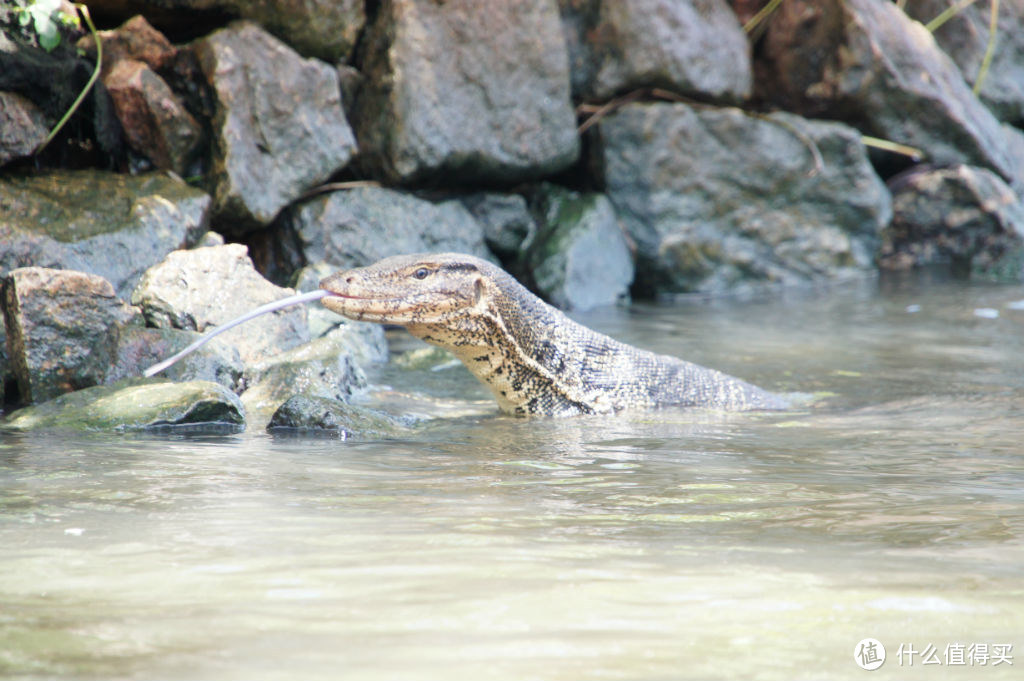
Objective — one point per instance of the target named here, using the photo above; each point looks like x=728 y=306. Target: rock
x=322 y=414
x=319 y=368
x=506 y=221
x=866 y=62
x=687 y=46
x=579 y=259
x=22 y=127
x=365 y=341
x=141 y=347
x=135 y=404
x=965 y=38
x=203 y=288
x=64 y=328
x=961 y=215
x=104 y=223
x=717 y=199
x=466 y=90
x=155 y=122
x=134 y=40
x=278 y=124
x=357 y=227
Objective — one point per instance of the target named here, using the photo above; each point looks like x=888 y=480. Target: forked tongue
x=297 y=299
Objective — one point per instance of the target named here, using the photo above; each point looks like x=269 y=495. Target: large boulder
x=965 y=38
x=468 y=90
x=687 y=46
x=141 y=347
x=579 y=258
x=104 y=223
x=63 y=329
x=357 y=227
x=963 y=216
x=133 y=405
x=866 y=62
x=719 y=199
x=205 y=287
x=278 y=123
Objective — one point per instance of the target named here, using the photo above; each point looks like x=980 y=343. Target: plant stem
x=990 y=49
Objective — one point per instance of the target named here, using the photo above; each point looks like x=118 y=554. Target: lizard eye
x=421 y=273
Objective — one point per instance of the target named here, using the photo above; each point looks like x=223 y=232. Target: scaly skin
x=533 y=358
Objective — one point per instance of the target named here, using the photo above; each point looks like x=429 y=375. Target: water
x=667 y=545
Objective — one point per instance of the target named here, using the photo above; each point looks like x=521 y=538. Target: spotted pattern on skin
x=535 y=360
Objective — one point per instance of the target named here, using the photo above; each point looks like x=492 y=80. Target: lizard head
x=433 y=288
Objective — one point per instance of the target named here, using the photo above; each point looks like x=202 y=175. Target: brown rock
x=63 y=329
x=22 y=127
x=155 y=122
x=135 y=39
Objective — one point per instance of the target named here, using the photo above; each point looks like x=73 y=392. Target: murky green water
x=671 y=545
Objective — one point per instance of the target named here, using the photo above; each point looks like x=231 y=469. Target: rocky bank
x=229 y=151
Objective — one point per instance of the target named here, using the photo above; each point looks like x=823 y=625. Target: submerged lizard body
x=533 y=358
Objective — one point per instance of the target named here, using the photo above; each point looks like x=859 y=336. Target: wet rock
x=311 y=413
x=154 y=120
x=687 y=46
x=357 y=227
x=363 y=340
x=135 y=404
x=141 y=347
x=104 y=223
x=718 y=199
x=202 y=288
x=965 y=38
x=866 y=62
x=321 y=368
x=22 y=127
x=580 y=258
x=963 y=216
x=466 y=90
x=506 y=221
x=278 y=127
x=63 y=329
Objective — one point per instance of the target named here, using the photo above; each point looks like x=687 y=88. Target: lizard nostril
x=349 y=280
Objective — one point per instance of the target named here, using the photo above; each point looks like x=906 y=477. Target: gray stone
x=965 y=38
x=866 y=62
x=135 y=404
x=22 y=127
x=63 y=329
x=466 y=90
x=202 y=288
x=141 y=347
x=365 y=341
x=108 y=224
x=718 y=199
x=687 y=46
x=506 y=221
x=311 y=413
x=357 y=227
x=963 y=216
x=278 y=124
x=580 y=258
x=321 y=368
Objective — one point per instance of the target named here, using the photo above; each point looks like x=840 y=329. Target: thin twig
x=88 y=86
x=761 y=15
x=895 y=147
x=337 y=186
x=990 y=49
x=948 y=14
x=608 y=107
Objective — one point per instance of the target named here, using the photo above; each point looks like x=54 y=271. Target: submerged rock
x=963 y=216
x=136 y=404
x=357 y=227
x=477 y=91
x=311 y=413
x=64 y=328
x=204 y=287
x=278 y=127
x=718 y=199
x=579 y=258
x=687 y=46
x=866 y=62
x=103 y=223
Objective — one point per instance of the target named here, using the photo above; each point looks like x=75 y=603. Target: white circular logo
x=869 y=654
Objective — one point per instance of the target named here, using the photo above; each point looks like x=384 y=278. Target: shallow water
x=666 y=545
